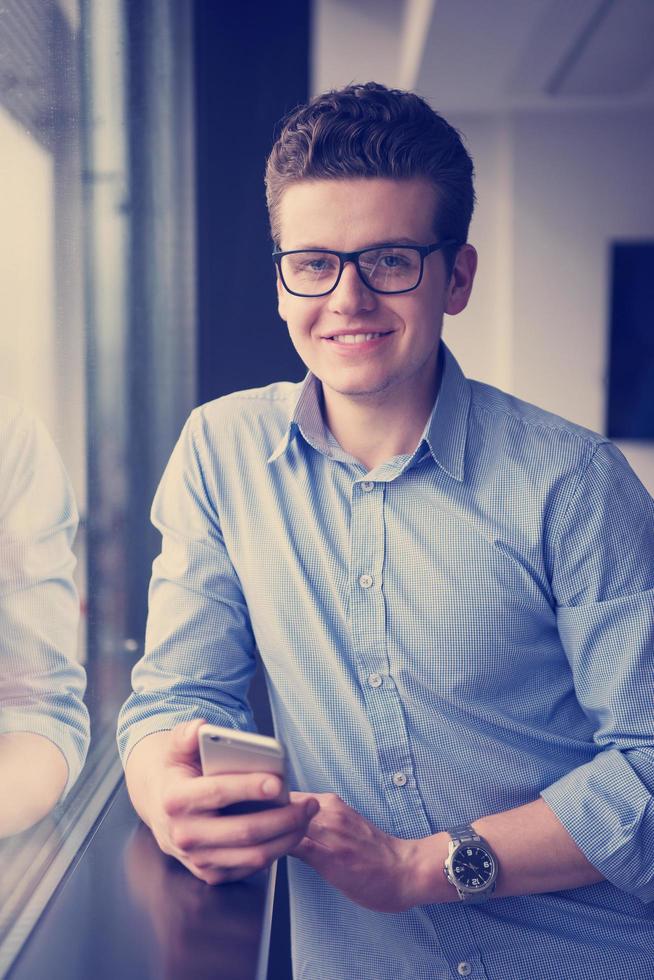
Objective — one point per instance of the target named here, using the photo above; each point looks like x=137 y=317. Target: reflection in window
x=44 y=727
x=42 y=340
x=96 y=294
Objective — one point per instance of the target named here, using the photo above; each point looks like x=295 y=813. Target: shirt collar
x=445 y=432
x=307 y=418
x=447 y=428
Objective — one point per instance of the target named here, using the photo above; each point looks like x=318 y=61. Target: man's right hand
x=180 y=806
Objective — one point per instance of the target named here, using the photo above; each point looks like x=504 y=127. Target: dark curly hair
x=373 y=131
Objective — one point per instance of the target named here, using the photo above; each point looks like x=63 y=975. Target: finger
x=342 y=827
x=299 y=797
x=209 y=793
x=336 y=840
x=183 y=744
x=311 y=852
x=301 y=850
x=221 y=876
x=327 y=801
x=247 y=830
x=253 y=858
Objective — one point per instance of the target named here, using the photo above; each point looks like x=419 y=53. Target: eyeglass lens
x=388 y=270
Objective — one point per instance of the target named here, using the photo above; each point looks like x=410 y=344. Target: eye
x=316 y=265
x=393 y=261
x=311 y=264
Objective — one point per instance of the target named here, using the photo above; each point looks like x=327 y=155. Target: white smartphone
x=228 y=750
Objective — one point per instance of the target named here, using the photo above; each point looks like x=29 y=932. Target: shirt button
x=399 y=778
x=365 y=581
x=375 y=680
x=367 y=485
x=464 y=969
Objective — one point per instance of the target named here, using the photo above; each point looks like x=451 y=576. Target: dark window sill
x=126 y=910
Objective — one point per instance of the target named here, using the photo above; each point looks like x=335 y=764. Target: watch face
x=472 y=866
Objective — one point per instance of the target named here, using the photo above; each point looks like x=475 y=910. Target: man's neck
x=376 y=428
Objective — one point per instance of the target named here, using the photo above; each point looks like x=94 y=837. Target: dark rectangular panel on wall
x=631 y=354
x=251 y=66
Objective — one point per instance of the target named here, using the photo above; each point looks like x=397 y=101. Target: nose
x=351 y=295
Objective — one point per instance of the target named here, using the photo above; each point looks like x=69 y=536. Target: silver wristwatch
x=471 y=865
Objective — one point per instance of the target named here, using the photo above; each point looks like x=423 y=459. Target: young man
x=452 y=594
x=44 y=724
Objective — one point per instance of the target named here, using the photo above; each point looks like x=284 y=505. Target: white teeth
x=355 y=338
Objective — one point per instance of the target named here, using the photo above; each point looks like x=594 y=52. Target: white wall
x=354 y=42
x=480 y=337
x=555 y=189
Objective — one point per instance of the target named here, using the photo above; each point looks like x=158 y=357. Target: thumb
x=183 y=744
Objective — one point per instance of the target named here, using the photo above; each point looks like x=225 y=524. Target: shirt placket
x=367 y=612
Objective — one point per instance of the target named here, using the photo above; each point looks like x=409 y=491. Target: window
x=97 y=294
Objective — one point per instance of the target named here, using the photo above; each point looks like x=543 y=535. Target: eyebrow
x=403 y=240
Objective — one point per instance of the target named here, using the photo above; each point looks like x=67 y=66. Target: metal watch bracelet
x=467 y=835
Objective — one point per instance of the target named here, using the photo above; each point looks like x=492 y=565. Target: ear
x=460 y=285
x=282 y=297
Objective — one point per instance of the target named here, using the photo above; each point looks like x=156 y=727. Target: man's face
x=351 y=214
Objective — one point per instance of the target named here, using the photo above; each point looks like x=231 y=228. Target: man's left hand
x=369 y=866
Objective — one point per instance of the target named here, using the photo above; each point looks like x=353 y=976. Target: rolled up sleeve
x=604 y=582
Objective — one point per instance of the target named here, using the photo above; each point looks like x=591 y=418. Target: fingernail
x=312 y=808
x=271 y=787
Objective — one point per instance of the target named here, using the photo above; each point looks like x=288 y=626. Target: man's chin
x=358 y=390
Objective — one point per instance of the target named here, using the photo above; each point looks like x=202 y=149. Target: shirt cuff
x=609 y=813
x=131 y=734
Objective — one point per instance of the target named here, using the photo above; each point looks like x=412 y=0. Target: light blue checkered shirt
x=446 y=636
x=41 y=682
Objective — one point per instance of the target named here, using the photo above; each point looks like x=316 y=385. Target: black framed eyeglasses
x=383 y=268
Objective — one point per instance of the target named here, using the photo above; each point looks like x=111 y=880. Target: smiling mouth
x=356 y=338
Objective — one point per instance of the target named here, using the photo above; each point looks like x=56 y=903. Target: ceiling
x=491 y=55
